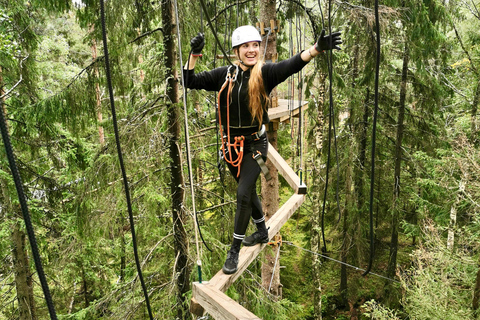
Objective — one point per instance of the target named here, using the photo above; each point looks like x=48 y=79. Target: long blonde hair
x=256 y=92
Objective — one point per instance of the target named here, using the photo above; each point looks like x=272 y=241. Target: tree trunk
x=98 y=94
x=182 y=270
x=315 y=191
x=392 y=263
x=476 y=292
x=474 y=121
x=349 y=195
x=453 y=217
x=271 y=265
x=359 y=178
x=23 y=276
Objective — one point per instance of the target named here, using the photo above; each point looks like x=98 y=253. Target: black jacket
x=272 y=73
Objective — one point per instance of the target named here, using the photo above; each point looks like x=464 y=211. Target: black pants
x=248 y=203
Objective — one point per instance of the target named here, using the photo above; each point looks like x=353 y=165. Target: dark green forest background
x=426 y=200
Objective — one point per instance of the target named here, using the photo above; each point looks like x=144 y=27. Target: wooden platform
x=285 y=109
x=209 y=296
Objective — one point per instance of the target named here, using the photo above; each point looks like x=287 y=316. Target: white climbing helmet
x=245 y=34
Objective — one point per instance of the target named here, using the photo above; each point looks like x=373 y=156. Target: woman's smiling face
x=248 y=53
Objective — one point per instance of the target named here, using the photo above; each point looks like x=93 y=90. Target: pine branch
x=143 y=35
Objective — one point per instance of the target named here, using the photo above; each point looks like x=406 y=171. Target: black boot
x=231 y=264
x=259 y=236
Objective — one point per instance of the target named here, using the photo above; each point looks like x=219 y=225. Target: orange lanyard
x=239 y=141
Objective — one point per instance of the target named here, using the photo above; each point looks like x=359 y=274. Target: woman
x=243 y=89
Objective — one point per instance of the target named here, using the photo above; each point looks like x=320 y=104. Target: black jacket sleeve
x=275 y=73
x=206 y=80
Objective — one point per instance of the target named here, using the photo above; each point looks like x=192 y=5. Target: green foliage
x=374 y=310
x=438 y=283
x=76 y=192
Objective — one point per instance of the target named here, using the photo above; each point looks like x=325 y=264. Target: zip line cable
x=338 y=261
x=120 y=158
x=374 y=137
x=26 y=215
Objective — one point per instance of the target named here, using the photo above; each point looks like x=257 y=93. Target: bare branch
x=16 y=84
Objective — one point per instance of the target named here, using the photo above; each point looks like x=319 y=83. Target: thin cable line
x=187 y=145
x=340 y=262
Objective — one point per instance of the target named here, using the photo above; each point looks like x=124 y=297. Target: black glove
x=328 y=42
x=197 y=44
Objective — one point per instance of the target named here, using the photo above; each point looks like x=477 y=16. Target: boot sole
x=228 y=271
x=248 y=244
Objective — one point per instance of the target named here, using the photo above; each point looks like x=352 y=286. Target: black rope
x=238 y=14
x=374 y=135
x=331 y=123
x=332 y=111
x=213 y=31
x=120 y=158
x=26 y=216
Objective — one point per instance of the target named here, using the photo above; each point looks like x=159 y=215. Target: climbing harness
x=238 y=141
x=258 y=157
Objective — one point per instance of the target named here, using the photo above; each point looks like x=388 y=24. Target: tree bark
x=23 y=276
x=476 y=293
x=315 y=191
x=453 y=217
x=392 y=263
x=349 y=195
x=270 y=267
x=182 y=270
x=474 y=121
x=98 y=94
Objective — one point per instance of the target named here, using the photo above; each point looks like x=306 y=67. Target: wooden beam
x=283 y=112
x=222 y=281
x=285 y=170
x=219 y=305
x=247 y=255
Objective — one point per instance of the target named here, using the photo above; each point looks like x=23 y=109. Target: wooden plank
x=223 y=281
x=285 y=170
x=282 y=112
x=219 y=305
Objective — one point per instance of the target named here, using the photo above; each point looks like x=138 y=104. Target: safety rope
x=204 y=7
x=238 y=140
x=331 y=123
x=300 y=118
x=120 y=159
x=187 y=145
x=26 y=215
